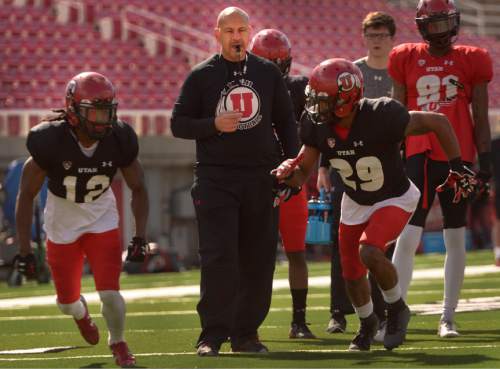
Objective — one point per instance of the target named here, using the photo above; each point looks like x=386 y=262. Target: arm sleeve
x=185 y=122
x=483 y=66
x=130 y=146
x=284 y=118
x=395 y=66
x=36 y=147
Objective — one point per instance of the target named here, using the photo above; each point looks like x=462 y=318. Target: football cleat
x=447 y=329
x=367 y=330
x=123 y=356
x=207 y=349
x=251 y=345
x=337 y=324
x=379 y=337
x=87 y=327
x=300 y=330
x=397 y=324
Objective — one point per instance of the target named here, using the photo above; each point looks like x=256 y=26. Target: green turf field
x=162 y=331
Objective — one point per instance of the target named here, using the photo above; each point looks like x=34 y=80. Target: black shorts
x=427 y=174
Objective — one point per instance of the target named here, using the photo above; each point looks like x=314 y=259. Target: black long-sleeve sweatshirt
x=254 y=87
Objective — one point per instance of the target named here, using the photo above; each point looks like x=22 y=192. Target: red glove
x=461 y=179
x=137 y=250
x=26 y=265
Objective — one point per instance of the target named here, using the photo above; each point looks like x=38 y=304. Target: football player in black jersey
x=274 y=45
x=79 y=151
x=360 y=138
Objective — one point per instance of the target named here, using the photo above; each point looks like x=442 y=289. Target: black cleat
x=367 y=329
x=300 y=330
x=397 y=324
x=251 y=345
x=337 y=324
x=207 y=349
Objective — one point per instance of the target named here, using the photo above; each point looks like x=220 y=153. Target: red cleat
x=123 y=356
x=87 y=327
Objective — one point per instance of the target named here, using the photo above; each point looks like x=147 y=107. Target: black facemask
x=96 y=120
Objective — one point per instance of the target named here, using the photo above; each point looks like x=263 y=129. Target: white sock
x=76 y=309
x=113 y=311
x=364 y=311
x=496 y=250
x=454 y=267
x=404 y=253
x=392 y=295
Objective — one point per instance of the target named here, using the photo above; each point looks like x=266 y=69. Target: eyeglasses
x=379 y=36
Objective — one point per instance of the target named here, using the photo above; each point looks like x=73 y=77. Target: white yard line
x=193 y=290
x=193 y=353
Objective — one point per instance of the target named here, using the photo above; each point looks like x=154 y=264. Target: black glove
x=137 y=250
x=461 y=179
x=283 y=192
x=483 y=185
x=26 y=265
x=483 y=176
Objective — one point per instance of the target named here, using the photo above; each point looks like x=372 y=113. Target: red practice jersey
x=444 y=85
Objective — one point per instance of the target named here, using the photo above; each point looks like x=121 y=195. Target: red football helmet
x=275 y=46
x=335 y=88
x=90 y=104
x=438 y=21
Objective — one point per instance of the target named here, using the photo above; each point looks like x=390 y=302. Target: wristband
x=484 y=159
x=456 y=164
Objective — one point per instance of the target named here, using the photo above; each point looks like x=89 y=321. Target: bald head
x=232 y=33
x=231 y=12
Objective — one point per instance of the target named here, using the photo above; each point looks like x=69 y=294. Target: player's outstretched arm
x=295 y=172
x=32 y=179
x=422 y=122
x=399 y=92
x=460 y=178
x=134 y=177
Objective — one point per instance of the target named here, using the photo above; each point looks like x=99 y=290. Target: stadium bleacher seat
x=39 y=54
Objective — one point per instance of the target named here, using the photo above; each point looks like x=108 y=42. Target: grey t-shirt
x=377 y=82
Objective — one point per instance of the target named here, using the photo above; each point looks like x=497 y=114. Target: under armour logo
x=107 y=164
x=377 y=78
x=357 y=143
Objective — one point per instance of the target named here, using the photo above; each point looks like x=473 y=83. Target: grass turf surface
x=162 y=332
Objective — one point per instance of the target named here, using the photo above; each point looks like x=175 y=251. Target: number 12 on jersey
x=96 y=185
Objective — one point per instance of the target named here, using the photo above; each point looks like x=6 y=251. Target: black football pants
x=238 y=235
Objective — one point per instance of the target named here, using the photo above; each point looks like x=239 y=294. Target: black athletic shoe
x=300 y=330
x=337 y=324
x=251 y=345
x=207 y=349
x=397 y=324
x=367 y=330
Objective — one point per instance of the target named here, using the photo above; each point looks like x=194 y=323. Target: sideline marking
x=194 y=290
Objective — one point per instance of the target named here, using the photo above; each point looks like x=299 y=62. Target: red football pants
x=384 y=226
x=293 y=222
x=104 y=254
